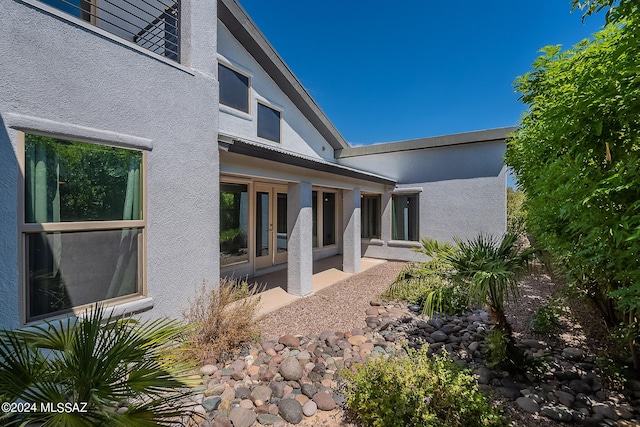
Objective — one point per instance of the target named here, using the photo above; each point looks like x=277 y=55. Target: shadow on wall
x=480 y=160
x=8 y=231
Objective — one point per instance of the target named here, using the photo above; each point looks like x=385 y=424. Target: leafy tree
x=577 y=158
x=516 y=215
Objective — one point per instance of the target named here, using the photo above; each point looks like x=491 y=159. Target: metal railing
x=151 y=24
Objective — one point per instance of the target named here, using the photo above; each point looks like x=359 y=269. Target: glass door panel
x=271 y=238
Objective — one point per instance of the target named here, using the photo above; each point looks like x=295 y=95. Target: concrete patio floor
x=326 y=272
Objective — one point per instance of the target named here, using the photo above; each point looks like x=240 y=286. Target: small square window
x=234 y=88
x=268 y=123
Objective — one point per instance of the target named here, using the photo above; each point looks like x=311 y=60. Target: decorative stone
x=324 y=401
x=606 y=410
x=290 y=369
x=357 y=340
x=557 y=413
x=221 y=422
x=268 y=419
x=290 y=410
x=310 y=408
x=572 y=353
x=261 y=392
x=439 y=336
x=289 y=341
x=241 y=417
x=528 y=404
x=208 y=369
x=211 y=404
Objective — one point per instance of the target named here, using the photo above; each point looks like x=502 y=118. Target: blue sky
x=387 y=71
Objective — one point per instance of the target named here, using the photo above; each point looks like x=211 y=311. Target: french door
x=271 y=236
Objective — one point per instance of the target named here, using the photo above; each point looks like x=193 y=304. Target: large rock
x=324 y=401
x=261 y=392
x=241 y=417
x=290 y=369
x=528 y=404
x=289 y=341
x=290 y=410
x=268 y=419
x=439 y=336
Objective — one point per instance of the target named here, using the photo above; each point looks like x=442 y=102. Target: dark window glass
x=404 y=217
x=314 y=213
x=75 y=181
x=328 y=219
x=370 y=216
x=281 y=223
x=69 y=269
x=234 y=223
x=234 y=88
x=268 y=123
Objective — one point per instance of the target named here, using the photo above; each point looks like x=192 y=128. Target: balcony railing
x=151 y=24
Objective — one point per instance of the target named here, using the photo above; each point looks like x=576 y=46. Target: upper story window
x=405 y=224
x=234 y=88
x=151 y=24
x=83 y=226
x=268 y=123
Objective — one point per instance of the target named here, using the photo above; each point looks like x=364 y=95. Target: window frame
x=242 y=73
x=273 y=108
x=250 y=205
x=378 y=220
x=415 y=194
x=25 y=228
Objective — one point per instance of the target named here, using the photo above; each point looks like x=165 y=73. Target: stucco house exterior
x=148 y=147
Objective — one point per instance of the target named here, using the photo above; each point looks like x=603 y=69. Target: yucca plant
x=487 y=267
x=119 y=372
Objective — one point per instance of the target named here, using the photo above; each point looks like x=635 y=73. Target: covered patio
x=326 y=272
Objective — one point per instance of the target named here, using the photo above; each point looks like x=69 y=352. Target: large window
x=268 y=123
x=370 y=216
x=83 y=228
x=234 y=88
x=234 y=223
x=404 y=217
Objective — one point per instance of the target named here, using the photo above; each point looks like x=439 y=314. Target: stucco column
x=351 y=247
x=300 y=248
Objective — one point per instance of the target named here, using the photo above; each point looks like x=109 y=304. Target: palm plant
x=488 y=268
x=123 y=369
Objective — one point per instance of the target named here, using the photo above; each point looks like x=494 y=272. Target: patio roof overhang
x=260 y=151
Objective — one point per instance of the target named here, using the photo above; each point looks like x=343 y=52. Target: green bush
x=545 y=319
x=416 y=390
x=119 y=371
x=421 y=284
x=516 y=214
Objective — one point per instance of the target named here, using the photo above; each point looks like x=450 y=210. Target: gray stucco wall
x=462 y=192
x=75 y=82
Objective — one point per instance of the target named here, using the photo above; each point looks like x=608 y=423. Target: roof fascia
x=497 y=134
x=236 y=19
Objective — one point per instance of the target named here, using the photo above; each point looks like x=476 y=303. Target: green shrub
x=545 y=319
x=497 y=344
x=516 y=214
x=416 y=390
x=421 y=284
x=99 y=365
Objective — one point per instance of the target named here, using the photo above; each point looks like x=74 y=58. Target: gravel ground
x=338 y=308
x=342 y=307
